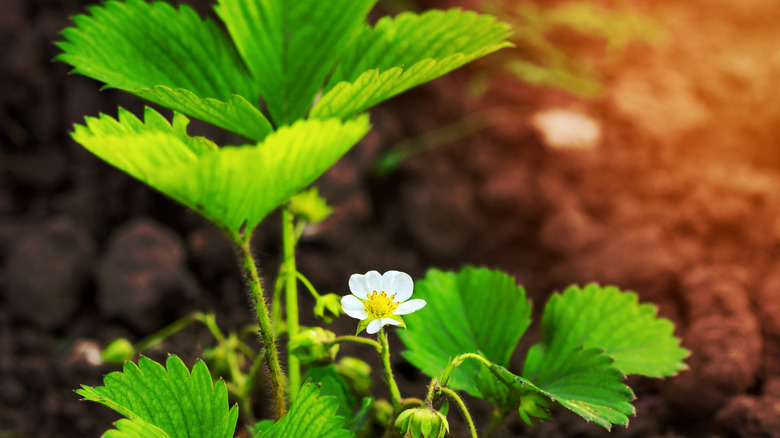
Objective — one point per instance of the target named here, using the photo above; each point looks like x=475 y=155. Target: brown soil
x=679 y=201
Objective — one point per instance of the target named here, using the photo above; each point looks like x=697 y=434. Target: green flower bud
x=422 y=423
x=118 y=351
x=533 y=404
x=310 y=207
x=328 y=307
x=311 y=346
x=357 y=373
x=382 y=412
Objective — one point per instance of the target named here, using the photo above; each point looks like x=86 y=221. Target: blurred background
x=625 y=142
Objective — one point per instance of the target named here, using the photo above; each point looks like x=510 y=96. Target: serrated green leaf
x=135 y=428
x=606 y=318
x=405 y=51
x=290 y=46
x=310 y=416
x=181 y=404
x=234 y=187
x=476 y=310
x=169 y=56
x=332 y=384
x=585 y=382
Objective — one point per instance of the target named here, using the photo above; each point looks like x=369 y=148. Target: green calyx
x=422 y=423
x=533 y=404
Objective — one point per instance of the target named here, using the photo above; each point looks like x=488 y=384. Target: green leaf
x=332 y=384
x=235 y=187
x=135 y=428
x=310 y=416
x=476 y=310
x=169 y=56
x=290 y=46
x=180 y=404
x=606 y=318
x=405 y=51
x=585 y=382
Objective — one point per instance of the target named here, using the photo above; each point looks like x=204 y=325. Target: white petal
x=374 y=326
x=354 y=307
x=362 y=285
x=390 y=321
x=409 y=307
x=398 y=283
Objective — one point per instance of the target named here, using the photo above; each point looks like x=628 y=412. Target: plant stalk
x=291 y=299
x=466 y=416
x=395 y=394
x=266 y=329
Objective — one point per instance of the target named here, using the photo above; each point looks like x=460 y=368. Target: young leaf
x=235 y=187
x=168 y=398
x=310 y=416
x=290 y=46
x=476 y=310
x=585 y=382
x=169 y=56
x=405 y=51
x=606 y=318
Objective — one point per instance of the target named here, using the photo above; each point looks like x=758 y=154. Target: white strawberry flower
x=378 y=300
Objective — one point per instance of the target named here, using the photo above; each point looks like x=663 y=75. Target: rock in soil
x=143 y=278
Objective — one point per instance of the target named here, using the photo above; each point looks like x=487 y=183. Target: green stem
x=291 y=299
x=266 y=329
x=308 y=285
x=384 y=351
x=454 y=363
x=357 y=340
x=168 y=331
x=276 y=302
x=466 y=416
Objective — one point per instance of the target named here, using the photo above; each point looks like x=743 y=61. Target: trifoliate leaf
x=169 y=56
x=179 y=403
x=585 y=382
x=606 y=318
x=476 y=310
x=312 y=416
x=235 y=187
x=405 y=51
x=290 y=46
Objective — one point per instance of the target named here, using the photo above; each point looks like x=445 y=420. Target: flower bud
x=118 y=351
x=533 y=404
x=311 y=346
x=357 y=373
x=422 y=423
x=328 y=307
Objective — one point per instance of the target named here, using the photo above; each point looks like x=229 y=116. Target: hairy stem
x=291 y=299
x=384 y=351
x=466 y=416
x=266 y=329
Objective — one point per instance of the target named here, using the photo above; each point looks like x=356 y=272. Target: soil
x=676 y=196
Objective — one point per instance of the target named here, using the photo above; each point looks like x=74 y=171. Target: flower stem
x=266 y=329
x=291 y=299
x=384 y=350
x=357 y=340
x=466 y=416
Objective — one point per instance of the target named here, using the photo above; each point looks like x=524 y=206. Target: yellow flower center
x=380 y=305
